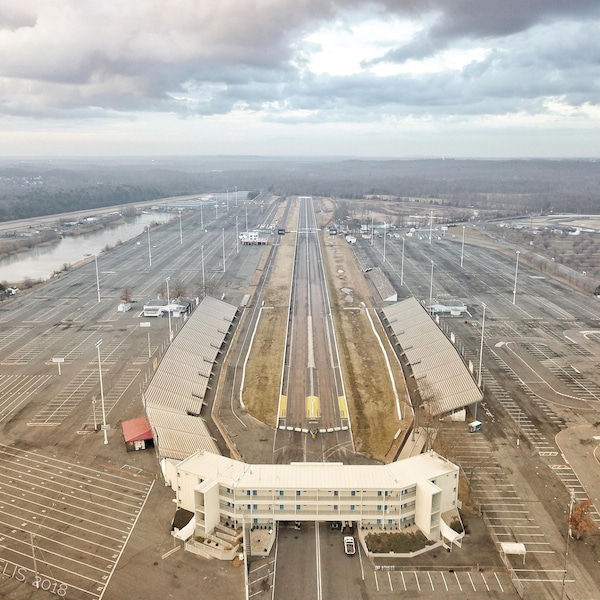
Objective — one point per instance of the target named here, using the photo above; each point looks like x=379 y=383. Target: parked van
x=474 y=426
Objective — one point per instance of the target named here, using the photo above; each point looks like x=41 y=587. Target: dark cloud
x=78 y=57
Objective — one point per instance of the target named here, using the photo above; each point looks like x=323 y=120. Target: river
x=42 y=262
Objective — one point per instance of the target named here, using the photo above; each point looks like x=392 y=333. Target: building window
x=247 y=492
x=353 y=493
x=297 y=507
x=297 y=492
x=255 y=506
x=335 y=493
x=254 y=492
x=248 y=506
x=379 y=493
x=281 y=507
x=281 y=492
x=379 y=507
x=255 y=520
x=378 y=521
x=335 y=507
x=352 y=507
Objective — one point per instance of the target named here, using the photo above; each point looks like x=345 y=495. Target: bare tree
x=126 y=295
x=581 y=521
x=177 y=290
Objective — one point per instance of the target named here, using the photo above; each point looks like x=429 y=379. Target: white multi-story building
x=222 y=491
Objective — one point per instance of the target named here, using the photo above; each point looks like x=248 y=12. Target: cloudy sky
x=381 y=78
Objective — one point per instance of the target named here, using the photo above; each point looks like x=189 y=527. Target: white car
x=349 y=546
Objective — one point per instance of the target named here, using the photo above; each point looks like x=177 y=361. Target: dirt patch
x=369 y=390
x=263 y=370
x=397 y=542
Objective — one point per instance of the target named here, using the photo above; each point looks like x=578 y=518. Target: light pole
x=516 y=273
x=201 y=215
x=430 y=225
x=384 y=237
x=169 y=309
x=203 y=280
x=402 y=264
x=431 y=289
x=462 y=249
x=149 y=247
x=223 y=239
x=237 y=235
x=97 y=275
x=481 y=345
x=180 y=230
x=104 y=427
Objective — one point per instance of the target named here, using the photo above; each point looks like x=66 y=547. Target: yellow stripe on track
x=343 y=407
x=282 y=407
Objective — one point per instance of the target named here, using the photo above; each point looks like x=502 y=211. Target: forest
x=36 y=187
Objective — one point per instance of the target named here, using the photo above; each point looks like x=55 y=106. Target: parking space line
x=444 y=580
x=390 y=580
x=471 y=580
x=498 y=580
x=487 y=587
x=417 y=580
x=458 y=581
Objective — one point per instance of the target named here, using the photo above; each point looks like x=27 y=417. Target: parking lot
x=63 y=525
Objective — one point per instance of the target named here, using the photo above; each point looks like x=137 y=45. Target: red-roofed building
x=137 y=433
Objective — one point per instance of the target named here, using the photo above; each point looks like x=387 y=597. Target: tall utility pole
x=516 y=273
x=431 y=288
x=237 y=236
x=430 y=225
x=462 y=248
x=149 y=247
x=169 y=309
x=104 y=427
x=201 y=215
x=384 y=237
x=479 y=379
x=203 y=280
x=402 y=264
x=223 y=237
x=180 y=230
x=97 y=276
